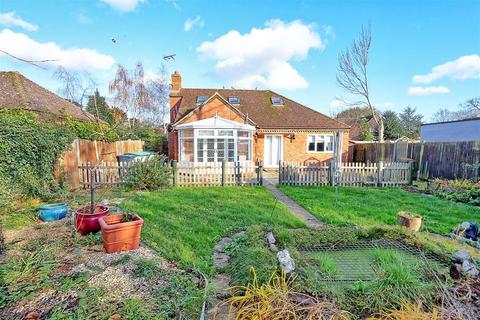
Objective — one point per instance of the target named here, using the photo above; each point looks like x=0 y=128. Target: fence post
x=174 y=169
x=238 y=173
x=224 y=172
x=410 y=173
x=330 y=173
x=280 y=174
x=260 y=173
x=379 y=173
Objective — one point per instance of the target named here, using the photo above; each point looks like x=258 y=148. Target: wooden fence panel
x=188 y=174
x=449 y=160
x=389 y=174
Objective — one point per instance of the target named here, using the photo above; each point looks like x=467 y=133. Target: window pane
x=243 y=150
x=320 y=146
x=230 y=150
x=311 y=139
x=210 y=150
x=224 y=133
x=186 y=133
x=220 y=149
x=311 y=146
x=200 y=153
x=243 y=134
x=205 y=133
x=186 y=150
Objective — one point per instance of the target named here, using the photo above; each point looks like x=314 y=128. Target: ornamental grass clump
x=277 y=300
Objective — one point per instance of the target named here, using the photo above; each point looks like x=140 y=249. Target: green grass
x=185 y=223
x=374 y=207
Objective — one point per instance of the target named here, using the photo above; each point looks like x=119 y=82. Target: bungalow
x=17 y=91
x=212 y=125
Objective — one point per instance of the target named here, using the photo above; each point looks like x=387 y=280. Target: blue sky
x=424 y=53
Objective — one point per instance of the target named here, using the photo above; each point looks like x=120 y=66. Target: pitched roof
x=17 y=91
x=257 y=105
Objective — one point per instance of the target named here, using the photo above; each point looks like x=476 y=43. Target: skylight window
x=201 y=99
x=234 y=100
x=277 y=101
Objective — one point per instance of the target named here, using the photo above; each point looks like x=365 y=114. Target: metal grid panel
x=354 y=261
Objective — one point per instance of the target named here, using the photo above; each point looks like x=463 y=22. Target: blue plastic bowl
x=53 y=211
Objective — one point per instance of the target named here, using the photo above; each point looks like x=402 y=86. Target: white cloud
x=262 y=56
x=123 y=5
x=191 y=23
x=423 y=91
x=10 y=19
x=79 y=59
x=465 y=67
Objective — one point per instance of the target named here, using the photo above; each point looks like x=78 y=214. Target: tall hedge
x=29 y=149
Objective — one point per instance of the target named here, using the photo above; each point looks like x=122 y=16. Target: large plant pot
x=86 y=221
x=120 y=236
x=53 y=211
x=409 y=221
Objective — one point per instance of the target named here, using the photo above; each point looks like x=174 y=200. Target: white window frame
x=235 y=137
x=325 y=140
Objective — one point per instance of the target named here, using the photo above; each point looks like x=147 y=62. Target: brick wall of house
x=295 y=150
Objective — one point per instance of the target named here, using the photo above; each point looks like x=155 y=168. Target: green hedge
x=29 y=149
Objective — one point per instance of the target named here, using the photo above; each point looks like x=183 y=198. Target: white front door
x=273 y=150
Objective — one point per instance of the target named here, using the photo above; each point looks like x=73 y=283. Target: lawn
x=185 y=223
x=373 y=207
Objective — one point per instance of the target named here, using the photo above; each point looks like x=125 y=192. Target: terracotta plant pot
x=120 y=236
x=409 y=221
x=86 y=222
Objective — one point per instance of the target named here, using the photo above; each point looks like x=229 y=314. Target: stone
x=286 y=262
x=469 y=268
x=456 y=271
x=115 y=316
x=460 y=256
x=271 y=239
x=104 y=202
x=32 y=315
x=220 y=260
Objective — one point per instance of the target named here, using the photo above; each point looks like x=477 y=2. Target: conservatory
x=215 y=140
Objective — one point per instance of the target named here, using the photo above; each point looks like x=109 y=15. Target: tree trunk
x=381 y=129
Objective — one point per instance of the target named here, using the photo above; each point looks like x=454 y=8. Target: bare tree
x=353 y=75
x=141 y=97
x=75 y=87
x=472 y=107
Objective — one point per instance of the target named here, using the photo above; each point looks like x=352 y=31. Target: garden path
x=310 y=220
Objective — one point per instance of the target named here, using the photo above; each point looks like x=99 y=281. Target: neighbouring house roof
x=216 y=123
x=17 y=91
x=257 y=106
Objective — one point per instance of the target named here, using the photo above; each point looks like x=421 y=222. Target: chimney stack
x=176 y=82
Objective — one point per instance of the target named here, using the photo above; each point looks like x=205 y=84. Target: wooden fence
x=86 y=151
x=107 y=174
x=449 y=160
x=382 y=174
x=238 y=173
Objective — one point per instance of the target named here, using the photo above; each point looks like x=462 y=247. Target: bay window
x=317 y=143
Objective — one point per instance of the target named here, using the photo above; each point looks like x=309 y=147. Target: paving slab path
x=310 y=220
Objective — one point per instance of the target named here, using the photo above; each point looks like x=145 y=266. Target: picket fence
x=184 y=174
x=104 y=174
x=382 y=174
x=188 y=174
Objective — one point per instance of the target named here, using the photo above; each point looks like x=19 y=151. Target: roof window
x=201 y=99
x=277 y=101
x=234 y=100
